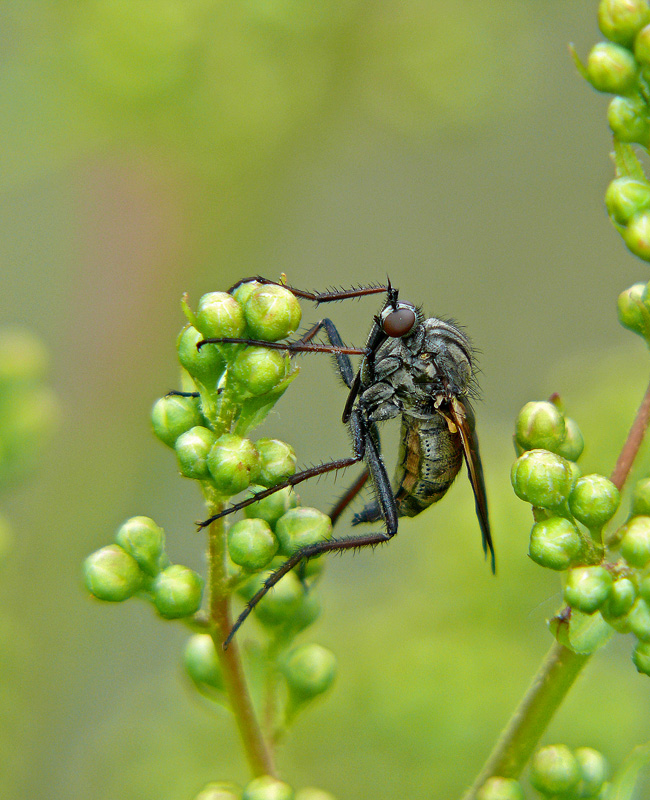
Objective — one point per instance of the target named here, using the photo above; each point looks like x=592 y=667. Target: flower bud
x=541 y=478
x=635 y=541
x=233 y=463
x=540 y=425
x=271 y=508
x=554 y=770
x=177 y=592
x=307 y=612
x=641 y=497
x=594 y=771
x=638 y=619
x=500 y=789
x=245 y=290
x=300 y=527
x=220 y=315
x=207 y=364
x=201 y=661
x=267 y=788
x=611 y=68
x=277 y=461
x=310 y=670
x=620 y=600
x=251 y=544
x=594 y=500
x=642 y=47
x=637 y=235
x=641 y=657
x=573 y=444
x=310 y=793
x=111 y=574
x=644 y=587
x=628 y=121
x=192 y=449
x=633 y=313
x=621 y=20
x=272 y=313
x=587 y=588
x=142 y=539
x=625 y=197
x=173 y=415
x=259 y=370
x=554 y=543
x=220 y=790
x=281 y=602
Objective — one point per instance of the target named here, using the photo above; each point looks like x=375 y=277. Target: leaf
x=582 y=633
x=624 y=782
x=626 y=162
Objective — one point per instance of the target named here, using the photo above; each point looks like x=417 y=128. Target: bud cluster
x=607 y=581
x=621 y=66
x=264 y=787
x=583 y=773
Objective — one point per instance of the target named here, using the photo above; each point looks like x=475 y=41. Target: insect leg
x=317 y=297
x=363 y=439
x=175 y=393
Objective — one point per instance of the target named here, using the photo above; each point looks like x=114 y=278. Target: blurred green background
x=152 y=147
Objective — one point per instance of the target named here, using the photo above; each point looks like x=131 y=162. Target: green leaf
x=626 y=163
x=624 y=782
x=582 y=633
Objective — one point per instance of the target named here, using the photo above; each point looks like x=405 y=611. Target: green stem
x=561 y=666
x=257 y=751
x=517 y=742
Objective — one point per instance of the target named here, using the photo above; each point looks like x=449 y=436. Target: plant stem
x=559 y=670
x=561 y=666
x=257 y=751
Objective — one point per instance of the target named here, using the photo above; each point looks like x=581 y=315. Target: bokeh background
x=160 y=146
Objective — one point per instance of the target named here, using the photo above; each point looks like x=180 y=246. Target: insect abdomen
x=430 y=456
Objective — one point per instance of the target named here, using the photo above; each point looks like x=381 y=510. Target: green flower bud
x=635 y=541
x=625 y=197
x=620 y=600
x=282 y=602
x=300 y=527
x=573 y=444
x=267 y=788
x=272 y=313
x=173 y=415
x=258 y=369
x=541 y=478
x=641 y=497
x=642 y=46
x=633 y=313
x=112 y=574
x=307 y=612
x=555 y=543
x=233 y=463
x=220 y=790
x=628 y=120
x=271 y=508
x=177 y=592
x=638 y=619
x=587 y=588
x=310 y=670
x=641 y=657
x=611 y=68
x=244 y=291
x=278 y=461
x=207 y=364
x=621 y=20
x=310 y=793
x=644 y=588
x=637 y=235
x=594 y=771
x=594 y=500
x=500 y=789
x=540 y=425
x=220 y=315
x=23 y=356
x=251 y=544
x=554 y=770
x=192 y=449
x=142 y=539
x=201 y=661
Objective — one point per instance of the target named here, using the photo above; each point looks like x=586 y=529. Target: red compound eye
x=399 y=323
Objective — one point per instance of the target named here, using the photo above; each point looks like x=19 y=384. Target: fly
x=417 y=368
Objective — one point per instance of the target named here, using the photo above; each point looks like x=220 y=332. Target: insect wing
x=463 y=417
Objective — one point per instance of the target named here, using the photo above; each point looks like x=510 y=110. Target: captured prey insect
x=417 y=368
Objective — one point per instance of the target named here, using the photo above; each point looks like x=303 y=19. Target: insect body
x=412 y=367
